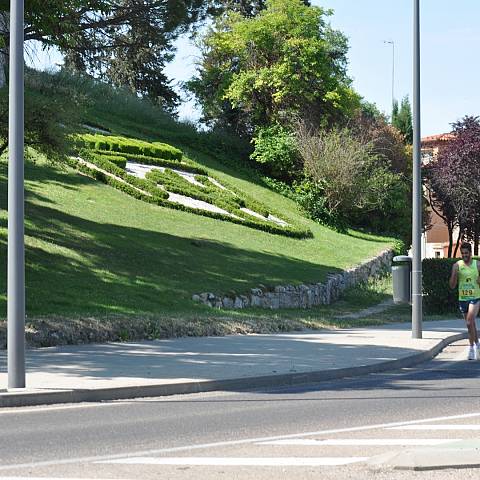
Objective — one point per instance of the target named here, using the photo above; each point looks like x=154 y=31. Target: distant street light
x=392 y=43
x=417 y=183
x=16 y=245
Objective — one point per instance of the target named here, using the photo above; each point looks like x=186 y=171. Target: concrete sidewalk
x=187 y=365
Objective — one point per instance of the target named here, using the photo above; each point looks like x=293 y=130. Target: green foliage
x=125 y=43
x=280 y=187
x=229 y=199
x=118 y=160
x=210 y=193
x=130 y=146
x=400 y=248
x=284 y=62
x=349 y=184
x=312 y=197
x=159 y=162
x=117 y=110
x=402 y=119
x=52 y=108
x=130 y=184
x=438 y=296
x=276 y=148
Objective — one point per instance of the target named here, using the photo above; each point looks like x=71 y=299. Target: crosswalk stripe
x=240 y=461
x=437 y=427
x=352 y=442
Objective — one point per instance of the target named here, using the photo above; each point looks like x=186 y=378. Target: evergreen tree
x=394 y=112
x=123 y=42
x=247 y=8
x=402 y=120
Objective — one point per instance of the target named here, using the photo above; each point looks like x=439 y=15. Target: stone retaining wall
x=302 y=296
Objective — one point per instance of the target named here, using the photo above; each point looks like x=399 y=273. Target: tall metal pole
x=392 y=43
x=16 y=247
x=393 y=73
x=417 y=183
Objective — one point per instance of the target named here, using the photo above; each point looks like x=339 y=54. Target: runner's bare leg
x=470 y=317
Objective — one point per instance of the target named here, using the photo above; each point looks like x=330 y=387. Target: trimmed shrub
x=131 y=146
x=293 y=232
x=438 y=296
x=175 y=183
x=132 y=181
x=112 y=159
x=118 y=160
x=159 y=162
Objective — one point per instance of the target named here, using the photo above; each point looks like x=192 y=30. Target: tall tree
x=461 y=157
x=394 y=112
x=125 y=42
x=402 y=119
x=285 y=61
x=440 y=198
x=247 y=8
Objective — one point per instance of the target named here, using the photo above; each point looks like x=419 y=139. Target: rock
x=227 y=302
x=238 y=303
x=245 y=301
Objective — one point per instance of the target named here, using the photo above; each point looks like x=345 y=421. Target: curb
x=34 y=398
x=428 y=459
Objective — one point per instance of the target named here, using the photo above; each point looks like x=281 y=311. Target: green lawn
x=93 y=250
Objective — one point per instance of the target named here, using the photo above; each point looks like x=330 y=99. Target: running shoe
x=472 y=352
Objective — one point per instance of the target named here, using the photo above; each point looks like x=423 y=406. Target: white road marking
x=354 y=442
x=227 y=443
x=241 y=461
x=437 y=427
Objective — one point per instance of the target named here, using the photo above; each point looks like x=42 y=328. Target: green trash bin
x=402 y=279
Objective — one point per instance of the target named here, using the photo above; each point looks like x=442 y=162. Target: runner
x=465 y=273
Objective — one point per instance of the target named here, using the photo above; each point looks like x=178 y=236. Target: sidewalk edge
x=24 y=399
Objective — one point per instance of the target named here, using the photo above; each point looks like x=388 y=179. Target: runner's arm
x=454 y=276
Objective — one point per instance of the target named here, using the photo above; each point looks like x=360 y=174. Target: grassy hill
x=92 y=250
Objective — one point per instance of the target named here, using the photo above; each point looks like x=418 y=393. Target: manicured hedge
x=127 y=188
x=159 y=162
x=438 y=296
x=224 y=199
x=212 y=194
x=149 y=187
x=118 y=160
x=111 y=153
x=130 y=146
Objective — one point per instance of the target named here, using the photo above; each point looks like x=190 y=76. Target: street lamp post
x=392 y=43
x=417 y=183
x=16 y=247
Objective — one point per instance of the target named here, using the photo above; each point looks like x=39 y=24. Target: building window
x=437 y=254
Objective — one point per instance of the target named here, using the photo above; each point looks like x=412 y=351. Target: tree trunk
x=476 y=228
x=450 y=240
x=458 y=242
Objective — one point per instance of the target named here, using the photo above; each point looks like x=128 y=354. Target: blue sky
x=450 y=45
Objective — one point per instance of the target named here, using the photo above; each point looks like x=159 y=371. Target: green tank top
x=468 y=288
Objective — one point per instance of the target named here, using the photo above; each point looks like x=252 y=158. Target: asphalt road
x=301 y=432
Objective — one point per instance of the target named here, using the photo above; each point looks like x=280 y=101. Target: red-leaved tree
x=454 y=181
